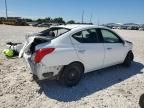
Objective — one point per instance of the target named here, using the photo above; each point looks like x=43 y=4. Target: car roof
x=75 y=27
x=78 y=26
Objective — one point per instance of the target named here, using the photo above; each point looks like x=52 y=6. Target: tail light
x=39 y=54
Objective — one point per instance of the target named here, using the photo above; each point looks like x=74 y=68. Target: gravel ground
x=114 y=87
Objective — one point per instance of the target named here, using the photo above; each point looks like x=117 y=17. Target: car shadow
x=90 y=83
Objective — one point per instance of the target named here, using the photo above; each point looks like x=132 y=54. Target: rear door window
x=87 y=36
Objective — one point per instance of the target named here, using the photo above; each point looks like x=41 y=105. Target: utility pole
x=6 y=9
x=98 y=22
x=83 y=17
x=91 y=18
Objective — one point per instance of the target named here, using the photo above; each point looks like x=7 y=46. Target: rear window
x=54 y=32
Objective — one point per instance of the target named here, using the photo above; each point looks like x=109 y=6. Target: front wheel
x=129 y=58
x=71 y=74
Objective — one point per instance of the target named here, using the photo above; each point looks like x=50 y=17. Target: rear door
x=89 y=48
x=115 y=51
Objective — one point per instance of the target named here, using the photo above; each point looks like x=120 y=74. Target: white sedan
x=66 y=52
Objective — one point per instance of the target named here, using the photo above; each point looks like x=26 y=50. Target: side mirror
x=125 y=44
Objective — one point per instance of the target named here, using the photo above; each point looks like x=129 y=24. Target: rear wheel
x=129 y=58
x=71 y=74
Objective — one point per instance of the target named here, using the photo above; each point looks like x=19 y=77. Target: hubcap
x=72 y=75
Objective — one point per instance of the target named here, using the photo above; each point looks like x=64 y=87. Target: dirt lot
x=114 y=87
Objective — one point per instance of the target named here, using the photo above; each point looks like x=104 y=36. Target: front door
x=115 y=51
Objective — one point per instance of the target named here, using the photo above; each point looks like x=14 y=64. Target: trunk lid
x=31 y=42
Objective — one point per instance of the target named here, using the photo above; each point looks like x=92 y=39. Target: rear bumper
x=40 y=70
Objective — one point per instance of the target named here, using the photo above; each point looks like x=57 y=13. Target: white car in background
x=66 y=52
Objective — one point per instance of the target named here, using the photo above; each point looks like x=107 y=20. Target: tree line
x=51 y=20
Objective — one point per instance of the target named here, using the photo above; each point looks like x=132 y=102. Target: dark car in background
x=133 y=28
x=43 y=25
x=122 y=27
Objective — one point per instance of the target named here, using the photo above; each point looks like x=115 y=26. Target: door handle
x=109 y=48
x=81 y=50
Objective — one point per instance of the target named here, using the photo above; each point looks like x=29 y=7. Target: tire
x=141 y=101
x=128 y=60
x=71 y=74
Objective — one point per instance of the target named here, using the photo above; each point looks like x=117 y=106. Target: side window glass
x=110 y=37
x=78 y=36
x=86 y=36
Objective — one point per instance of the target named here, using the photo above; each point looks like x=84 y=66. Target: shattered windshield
x=54 y=32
